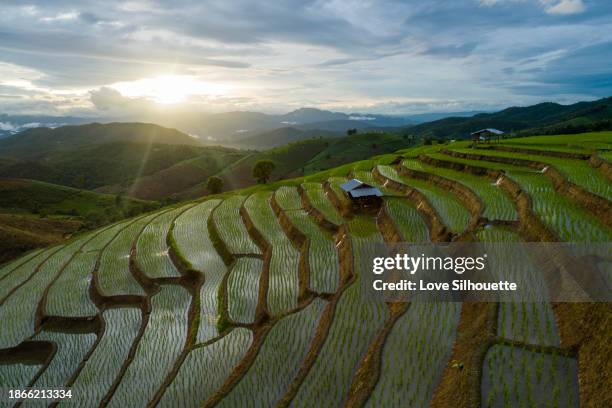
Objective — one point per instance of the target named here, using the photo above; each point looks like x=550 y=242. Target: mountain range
x=232 y=127
x=255 y=130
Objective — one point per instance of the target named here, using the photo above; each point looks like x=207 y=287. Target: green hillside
x=543 y=118
x=304 y=158
x=34 y=214
x=37 y=142
x=288 y=159
x=181 y=176
x=30 y=196
x=284 y=135
x=143 y=160
x=253 y=297
x=21 y=233
x=115 y=163
x=354 y=148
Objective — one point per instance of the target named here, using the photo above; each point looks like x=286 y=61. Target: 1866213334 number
x=37 y=393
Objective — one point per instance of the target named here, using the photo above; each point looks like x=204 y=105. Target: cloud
x=564 y=6
x=577 y=71
x=67 y=55
x=60 y=17
x=112 y=102
x=452 y=50
x=495 y=2
x=107 y=98
x=7 y=126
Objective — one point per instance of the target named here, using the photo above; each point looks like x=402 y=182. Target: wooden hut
x=362 y=194
x=485 y=135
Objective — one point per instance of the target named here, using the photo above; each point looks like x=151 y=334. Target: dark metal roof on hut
x=365 y=192
x=488 y=130
x=351 y=184
x=356 y=189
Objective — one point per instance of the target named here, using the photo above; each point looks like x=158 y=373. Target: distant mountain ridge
x=233 y=127
x=40 y=141
x=243 y=128
x=221 y=127
x=230 y=127
x=12 y=124
x=537 y=118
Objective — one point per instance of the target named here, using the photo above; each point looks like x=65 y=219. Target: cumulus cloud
x=107 y=98
x=112 y=102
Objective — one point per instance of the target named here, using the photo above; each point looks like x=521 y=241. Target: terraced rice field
x=114 y=276
x=322 y=255
x=323 y=259
x=477 y=163
x=356 y=323
x=69 y=296
x=497 y=205
x=243 y=289
x=586 y=141
x=71 y=350
x=278 y=361
x=452 y=212
x=18 y=311
x=576 y=171
x=162 y=342
x=568 y=220
x=414 y=355
x=18 y=274
x=120 y=334
x=283 y=286
x=196 y=247
x=12 y=266
x=17 y=376
x=317 y=198
x=529 y=322
x=232 y=230
x=407 y=220
x=206 y=368
x=152 y=250
x=288 y=198
x=197 y=305
x=513 y=376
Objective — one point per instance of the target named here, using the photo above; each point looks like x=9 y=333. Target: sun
x=169 y=89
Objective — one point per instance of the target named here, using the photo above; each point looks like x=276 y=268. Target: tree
x=262 y=170
x=351 y=132
x=214 y=185
x=119 y=199
x=80 y=181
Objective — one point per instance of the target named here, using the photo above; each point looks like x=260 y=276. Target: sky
x=101 y=58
